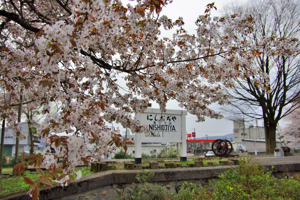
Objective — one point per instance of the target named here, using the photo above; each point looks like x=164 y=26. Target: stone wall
x=106 y=185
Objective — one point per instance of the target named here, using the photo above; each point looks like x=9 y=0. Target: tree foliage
x=102 y=61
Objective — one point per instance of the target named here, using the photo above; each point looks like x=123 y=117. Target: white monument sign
x=167 y=127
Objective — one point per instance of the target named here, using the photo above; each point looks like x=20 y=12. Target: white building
x=24 y=145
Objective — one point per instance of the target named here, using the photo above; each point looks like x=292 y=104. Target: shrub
x=192 y=191
x=12 y=161
x=4 y=161
x=250 y=181
x=170 y=153
x=121 y=155
x=148 y=156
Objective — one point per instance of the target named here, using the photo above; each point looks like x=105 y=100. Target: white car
x=210 y=154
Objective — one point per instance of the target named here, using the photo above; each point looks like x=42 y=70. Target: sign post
x=167 y=127
x=194 y=136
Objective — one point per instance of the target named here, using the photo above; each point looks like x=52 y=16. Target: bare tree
x=278 y=18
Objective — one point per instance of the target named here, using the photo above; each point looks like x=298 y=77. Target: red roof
x=200 y=140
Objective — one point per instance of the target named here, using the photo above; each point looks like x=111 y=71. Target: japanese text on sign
x=162 y=122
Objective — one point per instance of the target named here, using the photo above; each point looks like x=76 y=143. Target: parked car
x=210 y=154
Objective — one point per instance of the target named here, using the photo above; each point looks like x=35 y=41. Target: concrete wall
x=259 y=146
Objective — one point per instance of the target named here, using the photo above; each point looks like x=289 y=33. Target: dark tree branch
x=14 y=17
x=23 y=103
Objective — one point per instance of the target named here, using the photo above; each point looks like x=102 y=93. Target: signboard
x=166 y=127
x=189 y=135
x=194 y=134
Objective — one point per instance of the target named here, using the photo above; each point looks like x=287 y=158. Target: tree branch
x=64 y=6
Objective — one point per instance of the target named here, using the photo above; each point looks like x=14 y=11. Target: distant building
x=24 y=145
x=242 y=133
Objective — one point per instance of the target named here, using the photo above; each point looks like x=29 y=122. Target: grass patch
x=216 y=160
x=14 y=184
x=185 y=163
x=6 y=170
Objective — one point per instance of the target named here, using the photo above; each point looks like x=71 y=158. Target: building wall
x=10 y=140
x=241 y=132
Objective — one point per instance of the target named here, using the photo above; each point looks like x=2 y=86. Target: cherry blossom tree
x=294 y=126
x=103 y=61
x=291 y=130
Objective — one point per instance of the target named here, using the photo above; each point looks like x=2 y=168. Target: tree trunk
x=31 y=140
x=19 y=120
x=2 y=144
x=270 y=136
